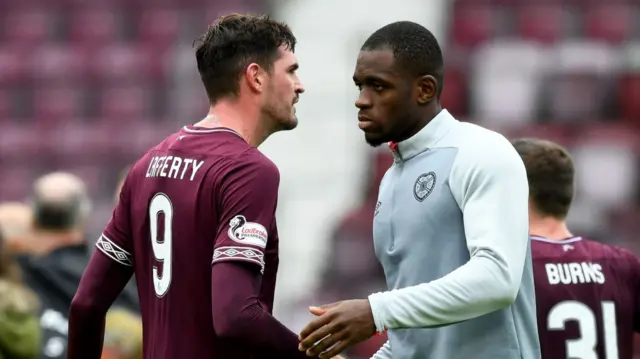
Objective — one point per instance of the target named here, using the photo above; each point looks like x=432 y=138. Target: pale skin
x=265 y=103
x=546 y=226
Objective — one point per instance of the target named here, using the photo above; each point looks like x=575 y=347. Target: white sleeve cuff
x=378 y=307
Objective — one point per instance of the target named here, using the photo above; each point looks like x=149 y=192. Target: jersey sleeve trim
x=243 y=254
x=113 y=251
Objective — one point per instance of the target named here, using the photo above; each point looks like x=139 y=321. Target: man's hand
x=338 y=326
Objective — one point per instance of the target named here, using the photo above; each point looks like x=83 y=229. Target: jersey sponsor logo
x=245 y=232
x=574 y=273
x=424 y=186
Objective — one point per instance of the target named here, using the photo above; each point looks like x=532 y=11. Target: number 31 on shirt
x=161 y=243
x=585 y=346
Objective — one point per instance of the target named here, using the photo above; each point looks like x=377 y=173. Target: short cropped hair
x=551 y=173
x=231 y=44
x=414 y=47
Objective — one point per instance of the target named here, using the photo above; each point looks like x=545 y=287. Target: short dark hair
x=414 y=47
x=231 y=44
x=550 y=173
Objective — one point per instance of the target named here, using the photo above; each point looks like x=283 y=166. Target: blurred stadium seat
x=569 y=72
x=541 y=22
x=84 y=82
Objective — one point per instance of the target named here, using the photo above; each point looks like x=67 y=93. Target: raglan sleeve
x=489 y=183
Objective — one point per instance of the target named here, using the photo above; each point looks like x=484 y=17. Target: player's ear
x=255 y=77
x=426 y=89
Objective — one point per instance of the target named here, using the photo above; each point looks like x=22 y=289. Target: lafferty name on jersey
x=173 y=167
x=574 y=273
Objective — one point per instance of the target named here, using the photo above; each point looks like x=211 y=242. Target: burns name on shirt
x=574 y=273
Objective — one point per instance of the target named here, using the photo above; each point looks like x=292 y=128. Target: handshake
x=338 y=326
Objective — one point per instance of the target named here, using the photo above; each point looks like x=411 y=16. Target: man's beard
x=281 y=119
x=375 y=142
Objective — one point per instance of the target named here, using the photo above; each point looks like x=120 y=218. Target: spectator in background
x=19 y=329
x=15 y=221
x=58 y=254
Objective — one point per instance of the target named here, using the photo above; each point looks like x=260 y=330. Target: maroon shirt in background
x=588 y=298
x=196 y=223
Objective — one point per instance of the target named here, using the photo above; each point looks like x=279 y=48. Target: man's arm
x=384 y=352
x=237 y=313
x=491 y=188
x=101 y=283
x=108 y=272
x=249 y=194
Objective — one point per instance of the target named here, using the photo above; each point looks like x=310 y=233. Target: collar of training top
x=424 y=139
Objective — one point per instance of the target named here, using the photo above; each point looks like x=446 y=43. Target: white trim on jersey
x=563 y=241
x=210 y=130
x=113 y=251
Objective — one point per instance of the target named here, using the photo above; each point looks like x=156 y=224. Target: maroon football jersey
x=588 y=298
x=188 y=203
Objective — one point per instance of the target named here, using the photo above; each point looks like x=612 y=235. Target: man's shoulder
x=474 y=140
x=224 y=150
x=619 y=255
x=607 y=250
x=482 y=150
x=581 y=247
x=256 y=160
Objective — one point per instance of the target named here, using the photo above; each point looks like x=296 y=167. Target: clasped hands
x=337 y=326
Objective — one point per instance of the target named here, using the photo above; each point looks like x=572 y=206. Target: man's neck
x=550 y=228
x=239 y=118
x=433 y=111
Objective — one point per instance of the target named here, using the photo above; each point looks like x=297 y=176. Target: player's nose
x=363 y=101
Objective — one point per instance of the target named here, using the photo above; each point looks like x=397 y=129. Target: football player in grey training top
x=451 y=226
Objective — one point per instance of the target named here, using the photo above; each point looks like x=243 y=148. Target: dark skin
x=394 y=105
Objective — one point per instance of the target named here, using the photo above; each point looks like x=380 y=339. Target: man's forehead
x=381 y=62
x=286 y=55
x=382 y=58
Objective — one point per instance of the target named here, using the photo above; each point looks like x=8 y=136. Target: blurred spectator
x=123 y=335
x=58 y=254
x=19 y=329
x=15 y=221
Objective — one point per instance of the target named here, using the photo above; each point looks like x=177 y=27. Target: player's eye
x=359 y=86
x=377 y=87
